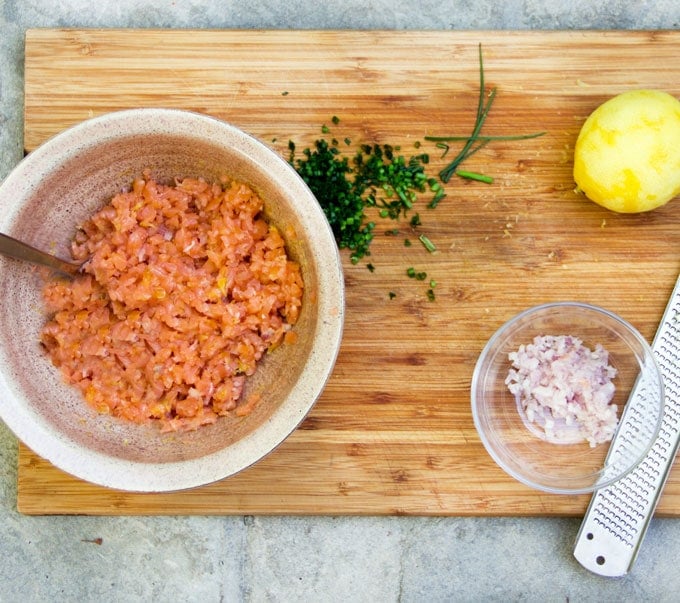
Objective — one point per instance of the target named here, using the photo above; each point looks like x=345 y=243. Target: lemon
x=627 y=155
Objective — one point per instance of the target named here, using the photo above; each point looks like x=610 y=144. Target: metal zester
x=618 y=515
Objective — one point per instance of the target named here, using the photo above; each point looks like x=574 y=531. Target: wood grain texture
x=393 y=432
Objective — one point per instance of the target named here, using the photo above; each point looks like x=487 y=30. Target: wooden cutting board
x=393 y=432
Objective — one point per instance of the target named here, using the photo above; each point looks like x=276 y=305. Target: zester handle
x=618 y=515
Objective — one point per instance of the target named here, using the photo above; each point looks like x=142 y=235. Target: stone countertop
x=305 y=558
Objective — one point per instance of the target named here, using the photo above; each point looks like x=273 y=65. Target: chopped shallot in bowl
x=552 y=388
x=564 y=389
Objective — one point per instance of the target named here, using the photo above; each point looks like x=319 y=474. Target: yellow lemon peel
x=627 y=155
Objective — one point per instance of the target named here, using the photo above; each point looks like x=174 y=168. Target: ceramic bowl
x=59 y=185
x=570 y=465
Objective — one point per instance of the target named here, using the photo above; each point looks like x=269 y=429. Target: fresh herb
x=393 y=184
x=442 y=145
x=377 y=176
x=474 y=176
x=327 y=175
x=392 y=294
x=429 y=245
x=438 y=191
x=411 y=272
x=436 y=199
x=419 y=276
x=475 y=141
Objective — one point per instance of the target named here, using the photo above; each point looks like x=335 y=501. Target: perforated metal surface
x=618 y=515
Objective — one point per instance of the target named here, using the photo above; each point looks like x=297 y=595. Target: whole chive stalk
x=482 y=112
x=475 y=141
x=441 y=139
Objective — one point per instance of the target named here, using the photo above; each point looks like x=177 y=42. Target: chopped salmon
x=186 y=288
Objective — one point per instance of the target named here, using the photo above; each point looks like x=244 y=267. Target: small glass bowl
x=568 y=468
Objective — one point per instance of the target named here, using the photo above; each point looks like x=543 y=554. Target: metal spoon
x=21 y=251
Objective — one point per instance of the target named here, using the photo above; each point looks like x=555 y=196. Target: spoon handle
x=21 y=251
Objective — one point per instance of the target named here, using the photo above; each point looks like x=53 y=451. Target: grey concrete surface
x=313 y=558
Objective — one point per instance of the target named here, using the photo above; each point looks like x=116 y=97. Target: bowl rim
x=137 y=476
x=477 y=375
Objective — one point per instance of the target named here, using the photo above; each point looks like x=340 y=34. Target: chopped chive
x=371 y=267
x=474 y=176
x=404 y=199
x=441 y=145
x=433 y=284
x=392 y=294
x=411 y=272
x=430 y=295
x=429 y=245
x=335 y=119
x=407 y=243
x=376 y=175
x=436 y=199
x=421 y=276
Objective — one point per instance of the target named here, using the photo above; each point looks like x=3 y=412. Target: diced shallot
x=564 y=389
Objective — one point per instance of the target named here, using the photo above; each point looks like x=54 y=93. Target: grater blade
x=618 y=515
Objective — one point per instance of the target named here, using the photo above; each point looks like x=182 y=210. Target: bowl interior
x=61 y=184
x=520 y=449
